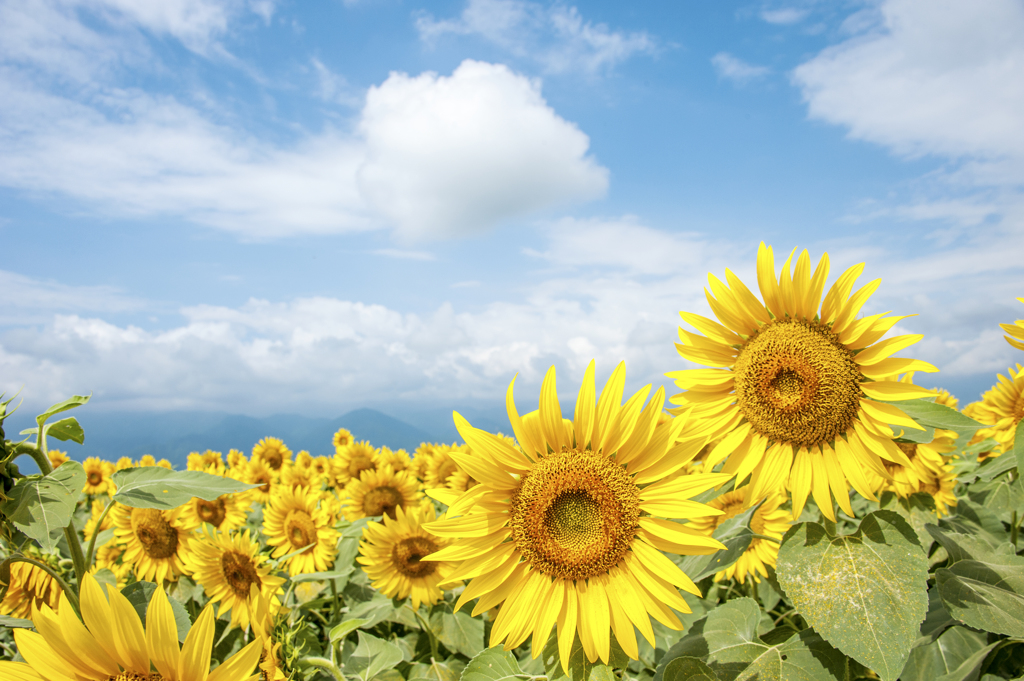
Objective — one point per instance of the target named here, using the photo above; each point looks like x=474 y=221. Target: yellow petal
x=712 y=329
x=551 y=601
x=551 y=413
x=20 y=671
x=889 y=414
x=594 y=611
x=849 y=310
x=239 y=664
x=99 y=618
x=837 y=480
x=767 y=282
x=497 y=449
x=586 y=406
x=43 y=658
x=567 y=617
x=472 y=525
x=609 y=405
x=836 y=295
x=528 y=446
x=800 y=480
x=896 y=365
x=643 y=431
x=129 y=632
x=894 y=390
x=886 y=348
x=162 y=634
x=820 y=487
x=194 y=662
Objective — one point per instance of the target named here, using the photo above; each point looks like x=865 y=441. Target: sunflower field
x=801 y=509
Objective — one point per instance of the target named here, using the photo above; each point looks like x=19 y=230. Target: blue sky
x=267 y=207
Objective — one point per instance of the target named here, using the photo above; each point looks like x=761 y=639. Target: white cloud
x=784 y=15
x=404 y=254
x=30 y=300
x=555 y=36
x=737 y=70
x=448 y=156
x=334 y=87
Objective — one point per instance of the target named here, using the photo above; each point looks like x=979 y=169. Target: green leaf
x=865 y=593
x=66 y=429
x=985 y=595
x=345 y=628
x=156 y=487
x=580 y=668
x=936 y=621
x=140 y=593
x=41 y=507
x=995 y=467
x=928 y=413
x=493 y=664
x=913 y=435
x=375 y=610
x=918 y=510
x=1018 y=451
x=459 y=632
x=735 y=533
x=15 y=622
x=70 y=403
x=1002 y=496
x=342 y=574
x=688 y=669
x=972 y=518
x=969 y=668
x=372 y=656
x=942 y=656
x=727 y=641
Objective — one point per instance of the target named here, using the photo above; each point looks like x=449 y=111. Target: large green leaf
x=140 y=593
x=374 y=611
x=372 y=656
x=727 y=641
x=70 y=403
x=493 y=664
x=735 y=534
x=1002 y=496
x=688 y=669
x=985 y=595
x=928 y=413
x=156 y=487
x=943 y=655
x=580 y=668
x=459 y=632
x=865 y=593
x=1018 y=450
x=971 y=667
x=63 y=430
x=41 y=507
x=964 y=546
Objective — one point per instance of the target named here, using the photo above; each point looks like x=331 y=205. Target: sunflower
x=460 y=481
x=1001 y=409
x=294 y=475
x=90 y=524
x=209 y=461
x=57 y=457
x=802 y=395
x=273 y=451
x=293 y=520
x=224 y=513
x=380 y=492
x=30 y=587
x=768 y=520
x=97 y=476
x=562 y=529
x=156 y=542
x=1016 y=331
x=441 y=465
x=108 y=558
x=113 y=645
x=391 y=553
x=262 y=616
x=398 y=460
x=227 y=566
x=940 y=488
x=123 y=463
x=257 y=472
x=342 y=438
x=421 y=459
x=322 y=468
x=350 y=461
x=236 y=459
x=146 y=461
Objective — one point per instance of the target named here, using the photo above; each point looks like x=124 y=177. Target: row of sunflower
x=568 y=537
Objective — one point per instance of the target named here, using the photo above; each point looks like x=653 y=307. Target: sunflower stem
x=91 y=551
x=766 y=538
x=426 y=627
x=72 y=596
x=1013 y=530
x=324 y=663
x=337 y=601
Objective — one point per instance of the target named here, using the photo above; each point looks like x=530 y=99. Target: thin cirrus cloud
x=491 y=148
x=735 y=69
x=555 y=36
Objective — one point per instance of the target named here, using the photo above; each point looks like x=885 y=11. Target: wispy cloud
x=735 y=69
x=404 y=255
x=785 y=15
x=556 y=36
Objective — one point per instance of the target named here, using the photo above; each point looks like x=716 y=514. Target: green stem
x=324 y=663
x=1014 y=530
x=426 y=627
x=337 y=601
x=91 y=551
x=766 y=538
x=72 y=596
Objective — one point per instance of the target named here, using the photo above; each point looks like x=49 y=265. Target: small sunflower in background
x=96 y=510
x=146 y=461
x=804 y=389
x=272 y=451
x=940 y=488
x=224 y=513
x=567 y=528
x=398 y=460
x=293 y=519
x=97 y=476
x=113 y=644
x=262 y=617
x=392 y=551
x=57 y=457
x=769 y=520
x=227 y=566
x=294 y=475
x=1015 y=331
x=321 y=467
x=236 y=459
x=342 y=438
x=30 y=588
x=440 y=466
x=380 y=492
x=123 y=463
x=351 y=460
x=421 y=459
x=1001 y=408
x=257 y=472
x=209 y=462
x=156 y=543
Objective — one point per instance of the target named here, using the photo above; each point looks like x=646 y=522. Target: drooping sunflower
x=768 y=520
x=293 y=519
x=380 y=492
x=802 y=393
x=351 y=460
x=156 y=542
x=1015 y=331
x=392 y=551
x=272 y=451
x=567 y=528
x=1001 y=408
x=113 y=645
x=30 y=587
x=224 y=513
x=226 y=566
x=940 y=488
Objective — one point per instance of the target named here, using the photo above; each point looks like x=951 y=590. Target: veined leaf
x=41 y=507
x=372 y=656
x=942 y=656
x=736 y=534
x=928 y=413
x=985 y=595
x=156 y=487
x=688 y=669
x=459 y=632
x=70 y=403
x=865 y=593
x=493 y=664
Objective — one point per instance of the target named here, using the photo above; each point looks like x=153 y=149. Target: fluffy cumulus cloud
x=445 y=155
x=556 y=36
x=432 y=156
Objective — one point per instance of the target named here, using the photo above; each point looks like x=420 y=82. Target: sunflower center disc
x=212 y=512
x=796 y=382
x=575 y=514
x=274 y=459
x=158 y=538
x=382 y=501
x=95 y=478
x=299 y=528
x=239 y=573
x=358 y=464
x=407 y=556
x=132 y=676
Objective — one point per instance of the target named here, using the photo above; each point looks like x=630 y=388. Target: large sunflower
x=113 y=645
x=380 y=492
x=227 y=566
x=1016 y=331
x=802 y=393
x=294 y=520
x=562 y=529
x=391 y=553
x=156 y=542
